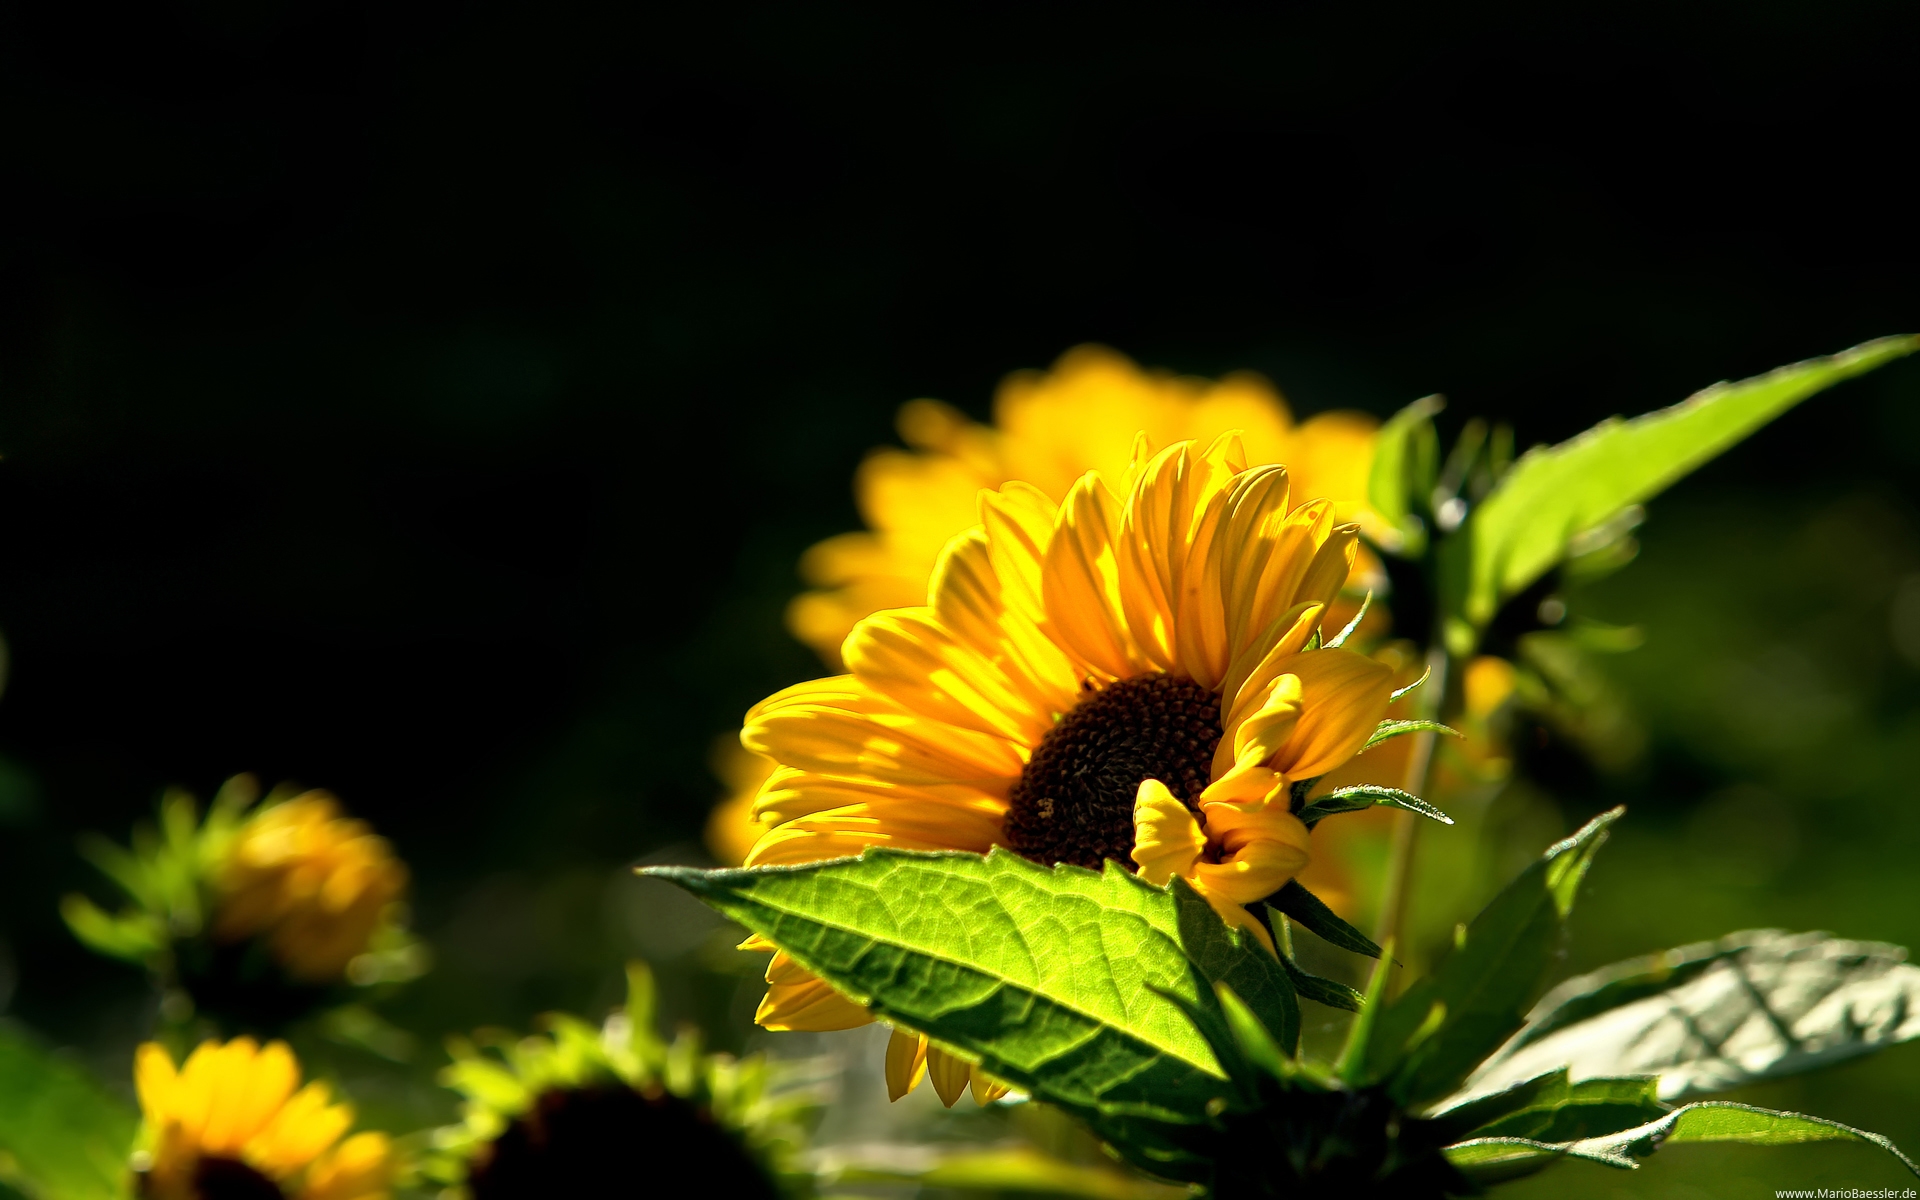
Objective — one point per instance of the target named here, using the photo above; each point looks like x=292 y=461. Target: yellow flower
x=1119 y=677
x=316 y=884
x=1049 y=428
x=233 y=1121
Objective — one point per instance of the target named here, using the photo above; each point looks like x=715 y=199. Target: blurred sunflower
x=1129 y=677
x=1048 y=429
x=585 y=1110
x=259 y=914
x=233 y=1123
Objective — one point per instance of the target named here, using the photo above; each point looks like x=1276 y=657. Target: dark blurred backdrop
x=429 y=403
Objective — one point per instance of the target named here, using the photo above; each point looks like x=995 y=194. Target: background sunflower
x=434 y=406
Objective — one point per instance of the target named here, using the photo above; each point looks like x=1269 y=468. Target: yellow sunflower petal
x=906 y=1062
x=256 y=1086
x=1241 y=691
x=905 y=825
x=303 y=1128
x=797 y=1000
x=1200 y=628
x=1018 y=520
x=1262 y=851
x=155 y=1079
x=966 y=596
x=912 y=658
x=1343 y=697
x=1167 y=840
x=1081 y=583
x=841 y=726
x=360 y=1168
x=949 y=1074
x=1157 y=556
x=985 y=1088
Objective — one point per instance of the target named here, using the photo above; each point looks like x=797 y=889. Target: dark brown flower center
x=611 y=1140
x=1074 y=801
x=230 y=1179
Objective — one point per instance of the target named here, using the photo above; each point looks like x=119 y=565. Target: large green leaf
x=1073 y=984
x=1716 y=1015
x=1496 y=1159
x=1557 y=495
x=62 y=1135
x=1428 y=1041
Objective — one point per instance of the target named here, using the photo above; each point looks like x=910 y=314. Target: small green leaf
x=1340 y=639
x=62 y=1135
x=1320 y=990
x=1253 y=1039
x=1351 y=1066
x=1311 y=914
x=1406 y=455
x=1720 y=1014
x=1353 y=799
x=1393 y=729
x=1555 y=495
x=1440 y=1028
x=1072 y=984
x=1556 y=1110
x=1497 y=1159
x=132 y=937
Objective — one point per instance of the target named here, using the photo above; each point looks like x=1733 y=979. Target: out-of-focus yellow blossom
x=312 y=881
x=234 y=1121
x=1049 y=429
x=1126 y=676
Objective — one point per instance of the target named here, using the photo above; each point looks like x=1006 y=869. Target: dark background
x=430 y=402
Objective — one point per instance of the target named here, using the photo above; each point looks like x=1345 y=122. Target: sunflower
x=233 y=1123
x=1132 y=677
x=314 y=883
x=1049 y=428
x=260 y=913
x=587 y=1110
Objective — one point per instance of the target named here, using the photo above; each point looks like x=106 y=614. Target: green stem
x=1406 y=828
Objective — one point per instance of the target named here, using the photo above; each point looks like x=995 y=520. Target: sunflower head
x=579 y=1110
x=233 y=1123
x=259 y=914
x=315 y=884
x=1132 y=676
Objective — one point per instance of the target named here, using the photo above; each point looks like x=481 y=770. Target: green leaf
x=62 y=1135
x=1555 y=496
x=1394 y=729
x=1320 y=990
x=133 y=937
x=1346 y=631
x=1720 y=1014
x=1068 y=983
x=1353 y=799
x=1493 y=1160
x=1351 y=1067
x=1307 y=910
x=1406 y=457
x=1441 y=1027
x=1554 y=1109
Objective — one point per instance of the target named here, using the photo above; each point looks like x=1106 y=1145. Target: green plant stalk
x=1406 y=827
